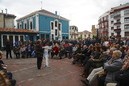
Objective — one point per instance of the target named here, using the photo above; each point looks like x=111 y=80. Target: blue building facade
x=49 y=25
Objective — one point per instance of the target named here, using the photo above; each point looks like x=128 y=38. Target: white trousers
x=46 y=60
x=93 y=75
x=111 y=84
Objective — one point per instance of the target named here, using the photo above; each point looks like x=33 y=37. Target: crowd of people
x=105 y=61
x=6 y=77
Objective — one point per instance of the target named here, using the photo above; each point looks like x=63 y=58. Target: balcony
x=118 y=30
x=105 y=32
x=117 y=23
x=117 y=16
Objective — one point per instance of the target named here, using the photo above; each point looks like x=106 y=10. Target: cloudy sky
x=81 y=13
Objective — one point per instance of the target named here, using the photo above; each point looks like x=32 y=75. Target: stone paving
x=60 y=73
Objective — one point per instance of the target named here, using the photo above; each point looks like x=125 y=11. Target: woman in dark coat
x=122 y=77
x=39 y=53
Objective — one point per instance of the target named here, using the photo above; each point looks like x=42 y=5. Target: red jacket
x=55 y=49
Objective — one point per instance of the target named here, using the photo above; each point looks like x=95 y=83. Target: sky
x=81 y=13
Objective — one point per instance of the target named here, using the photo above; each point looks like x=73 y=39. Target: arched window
x=56 y=32
x=17 y=25
x=30 y=25
x=52 y=25
x=25 y=25
x=56 y=23
x=59 y=26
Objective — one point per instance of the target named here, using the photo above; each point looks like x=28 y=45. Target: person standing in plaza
x=46 y=54
x=8 y=49
x=39 y=53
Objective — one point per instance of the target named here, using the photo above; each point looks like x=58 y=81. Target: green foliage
x=94 y=36
x=80 y=37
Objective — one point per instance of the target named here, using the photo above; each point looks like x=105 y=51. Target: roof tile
x=17 y=30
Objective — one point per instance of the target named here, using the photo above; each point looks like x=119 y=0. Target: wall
x=9 y=22
x=1 y=21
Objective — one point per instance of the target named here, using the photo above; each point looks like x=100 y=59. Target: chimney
x=56 y=12
x=2 y=11
x=6 y=11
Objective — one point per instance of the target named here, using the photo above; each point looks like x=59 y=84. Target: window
x=17 y=25
x=126 y=33
x=30 y=25
x=126 y=12
x=112 y=15
x=126 y=26
x=52 y=25
x=66 y=37
x=52 y=37
x=111 y=22
x=117 y=15
x=63 y=37
x=112 y=34
x=21 y=38
x=4 y=39
x=11 y=40
x=55 y=23
x=16 y=38
x=112 y=28
x=59 y=26
x=56 y=32
x=43 y=36
x=20 y=26
x=118 y=27
x=118 y=20
x=106 y=17
x=25 y=26
x=47 y=36
x=126 y=19
x=103 y=19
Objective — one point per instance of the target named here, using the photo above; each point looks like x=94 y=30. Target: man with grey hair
x=113 y=65
x=96 y=71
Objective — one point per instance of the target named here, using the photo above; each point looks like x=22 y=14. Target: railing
x=117 y=30
x=117 y=16
x=117 y=23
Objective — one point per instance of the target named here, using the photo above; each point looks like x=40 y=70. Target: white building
x=115 y=22
x=119 y=21
x=73 y=32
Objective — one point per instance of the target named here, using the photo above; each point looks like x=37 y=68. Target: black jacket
x=122 y=77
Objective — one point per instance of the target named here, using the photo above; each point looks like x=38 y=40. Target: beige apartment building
x=84 y=34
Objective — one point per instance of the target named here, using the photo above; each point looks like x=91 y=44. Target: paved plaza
x=60 y=73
